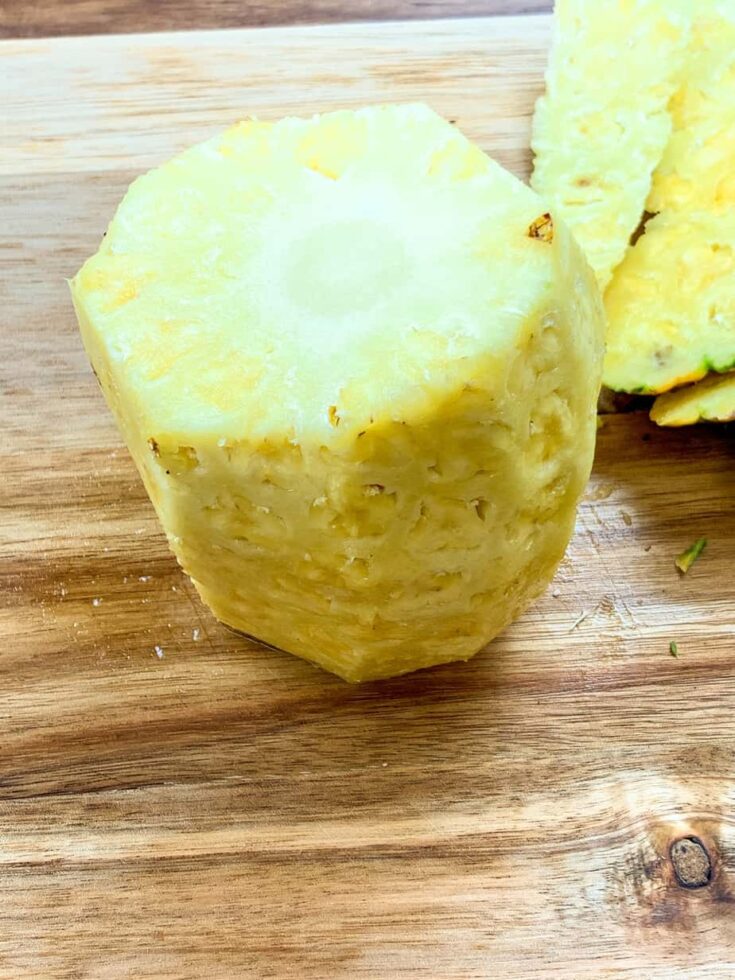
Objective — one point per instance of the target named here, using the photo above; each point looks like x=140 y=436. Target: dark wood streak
x=46 y=18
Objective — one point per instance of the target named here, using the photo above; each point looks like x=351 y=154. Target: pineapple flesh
x=603 y=123
x=671 y=306
x=357 y=368
x=711 y=400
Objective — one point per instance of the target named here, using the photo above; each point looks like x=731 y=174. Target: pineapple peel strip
x=712 y=400
x=671 y=306
x=599 y=132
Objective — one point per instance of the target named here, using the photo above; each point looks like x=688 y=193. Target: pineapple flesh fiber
x=357 y=368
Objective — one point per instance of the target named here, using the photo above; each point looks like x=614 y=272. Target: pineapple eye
x=542 y=229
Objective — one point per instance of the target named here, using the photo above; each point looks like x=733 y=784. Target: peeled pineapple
x=356 y=365
x=602 y=125
x=712 y=400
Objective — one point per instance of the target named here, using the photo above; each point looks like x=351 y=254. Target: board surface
x=226 y=811
x=36 y=18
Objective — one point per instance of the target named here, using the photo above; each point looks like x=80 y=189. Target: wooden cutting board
x=226 y=811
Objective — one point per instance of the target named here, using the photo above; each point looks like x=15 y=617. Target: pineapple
x=602 y=126
x=356 y=366
x=711 y=400
x=671 y=306
x=697 y=171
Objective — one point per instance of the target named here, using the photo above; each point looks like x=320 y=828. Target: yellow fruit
x=357 y=368
x=711 y=400
x=602 y=126
x=697 y=172
x=671 y=305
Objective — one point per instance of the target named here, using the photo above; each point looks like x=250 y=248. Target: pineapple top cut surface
x=305 y=279
x=603 y=123
x=711 y=400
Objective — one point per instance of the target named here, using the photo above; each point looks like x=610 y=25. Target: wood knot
x=692 y=863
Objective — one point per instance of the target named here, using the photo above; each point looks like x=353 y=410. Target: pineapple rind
x=697 y=169
x=671 y=306
x=373 y=506
x=602 y=125
x=711 y=400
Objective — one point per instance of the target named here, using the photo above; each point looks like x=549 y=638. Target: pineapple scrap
x=687 y=558
x=671 y=306
x=711 y=400
x=603 y=123
x=360 y=394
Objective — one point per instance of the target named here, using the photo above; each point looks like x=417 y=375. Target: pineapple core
x=356 y=364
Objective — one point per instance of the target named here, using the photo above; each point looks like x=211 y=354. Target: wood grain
x=41 y=18
x=226 y=811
